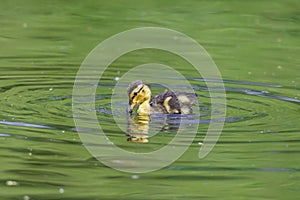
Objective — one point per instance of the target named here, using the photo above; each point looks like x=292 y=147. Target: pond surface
x=255 y=45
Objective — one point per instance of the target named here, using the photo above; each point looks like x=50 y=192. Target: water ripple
x=25 y=124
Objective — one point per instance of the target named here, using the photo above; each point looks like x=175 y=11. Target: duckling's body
x=167 y=102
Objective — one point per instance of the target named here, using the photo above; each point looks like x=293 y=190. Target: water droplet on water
x=12 y=183
x=26 y=197
x=134 y=177
x=61 y=190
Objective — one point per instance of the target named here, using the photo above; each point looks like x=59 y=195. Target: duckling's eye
x=134 y=95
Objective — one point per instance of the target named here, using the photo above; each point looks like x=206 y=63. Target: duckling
x=167 y=102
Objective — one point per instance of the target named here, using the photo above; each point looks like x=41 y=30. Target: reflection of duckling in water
x=167 y=102
x=138 y=127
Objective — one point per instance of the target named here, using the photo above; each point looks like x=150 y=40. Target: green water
x=255 y=45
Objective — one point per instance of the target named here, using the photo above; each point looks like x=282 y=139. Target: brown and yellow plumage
x=167 y=102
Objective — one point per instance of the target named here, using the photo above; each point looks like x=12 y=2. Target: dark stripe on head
x=136 y=93
x=134 y=85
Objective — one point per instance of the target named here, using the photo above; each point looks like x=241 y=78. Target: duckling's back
x=174 y=102
x=187 y=101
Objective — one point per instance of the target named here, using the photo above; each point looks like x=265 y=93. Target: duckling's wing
x=166 y=102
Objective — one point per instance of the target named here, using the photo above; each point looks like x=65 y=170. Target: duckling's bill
x=132 y=108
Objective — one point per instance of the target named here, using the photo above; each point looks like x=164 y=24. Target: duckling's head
x=138 y=93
